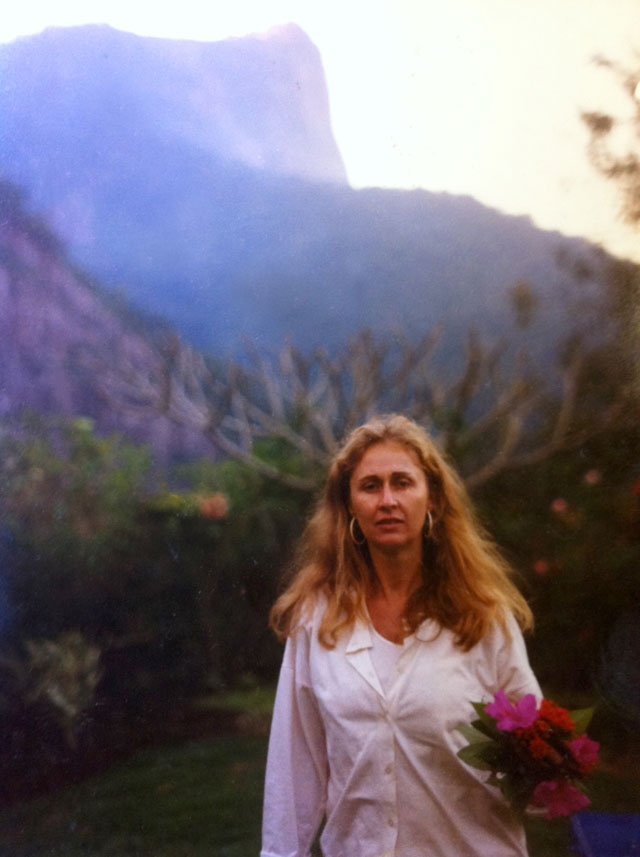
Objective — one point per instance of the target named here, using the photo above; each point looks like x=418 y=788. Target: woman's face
x=389 y=496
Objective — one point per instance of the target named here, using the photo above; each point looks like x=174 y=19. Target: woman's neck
x=398 y=574
x=397 y=578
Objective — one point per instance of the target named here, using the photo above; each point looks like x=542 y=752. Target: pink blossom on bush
x=541 y=567
x=559 y=798
x=592 y=477
x=214 y=507
x=559 y=506
x=510 y=717
x=585 y=752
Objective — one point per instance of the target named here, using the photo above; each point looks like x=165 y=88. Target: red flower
x=539 y=749
x=592 y=477
x=556 y=716
x=534 y=740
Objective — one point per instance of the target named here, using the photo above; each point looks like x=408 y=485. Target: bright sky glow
x=478 y=97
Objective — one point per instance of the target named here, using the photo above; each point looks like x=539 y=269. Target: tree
x=614 y=145
x=493 y=410
x=614 y=149
x=523 y=431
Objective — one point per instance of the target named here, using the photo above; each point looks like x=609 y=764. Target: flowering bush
x=537 y=755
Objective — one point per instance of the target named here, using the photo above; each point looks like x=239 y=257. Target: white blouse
x=384 y=655
x=380 y=767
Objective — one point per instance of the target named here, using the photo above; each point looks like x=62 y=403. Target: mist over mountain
x=204 y=181
x=59 y=334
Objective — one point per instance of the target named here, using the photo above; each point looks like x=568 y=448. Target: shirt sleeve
x=297 y=767
x=514 y=673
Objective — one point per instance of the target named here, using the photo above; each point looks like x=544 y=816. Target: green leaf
x=472 y=734
x=488 y=729
x=487 y=722
x=474 y=756
x=517 y=793
x=581 y=719
x=479 y=708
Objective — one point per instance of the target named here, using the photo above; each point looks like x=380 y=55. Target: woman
x=401 y=614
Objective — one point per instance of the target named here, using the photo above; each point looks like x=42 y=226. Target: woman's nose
x=388 y=496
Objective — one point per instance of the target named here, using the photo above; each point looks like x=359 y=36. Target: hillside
x=57 y=326
x=204 y=181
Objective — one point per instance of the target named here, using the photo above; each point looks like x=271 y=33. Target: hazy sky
x=479 y=97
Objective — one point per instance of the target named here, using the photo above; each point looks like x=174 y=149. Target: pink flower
x=559 y=506
x=510 y=717
x=541 y=567
x=559 y=798
x=585 y=752
x=214 y=507
x=592 y=477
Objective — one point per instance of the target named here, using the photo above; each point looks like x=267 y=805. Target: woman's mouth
x=388 y=522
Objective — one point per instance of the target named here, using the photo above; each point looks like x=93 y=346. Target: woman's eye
x=369 y=486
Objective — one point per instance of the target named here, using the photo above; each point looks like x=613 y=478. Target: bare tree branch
x=311 y=401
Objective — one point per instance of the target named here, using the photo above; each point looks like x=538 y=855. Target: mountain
x=204 y=181
x=99 y=96
x=57 y=326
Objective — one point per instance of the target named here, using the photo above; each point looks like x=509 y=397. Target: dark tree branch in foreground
x=619 y=160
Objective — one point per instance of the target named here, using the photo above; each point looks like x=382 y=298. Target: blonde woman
x=400 y=614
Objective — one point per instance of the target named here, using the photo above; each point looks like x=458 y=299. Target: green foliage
x=571 y=529
x=69 y=501
x=581 y=719
x=64 y=674
x=265 y=520
x=570 y=522
x=175 y=584
x=46 y=689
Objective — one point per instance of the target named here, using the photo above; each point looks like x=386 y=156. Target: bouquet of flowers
x=537 y=756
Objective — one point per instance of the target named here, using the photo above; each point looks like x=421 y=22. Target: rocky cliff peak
x=259 y=100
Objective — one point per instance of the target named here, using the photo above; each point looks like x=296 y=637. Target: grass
x=251 y=700
x=203 y=799
x=188 y=801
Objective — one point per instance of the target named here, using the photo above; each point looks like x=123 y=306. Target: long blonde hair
x=466 y=582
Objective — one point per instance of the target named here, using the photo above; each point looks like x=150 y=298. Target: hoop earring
x=427 y=532
x=352 y=533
